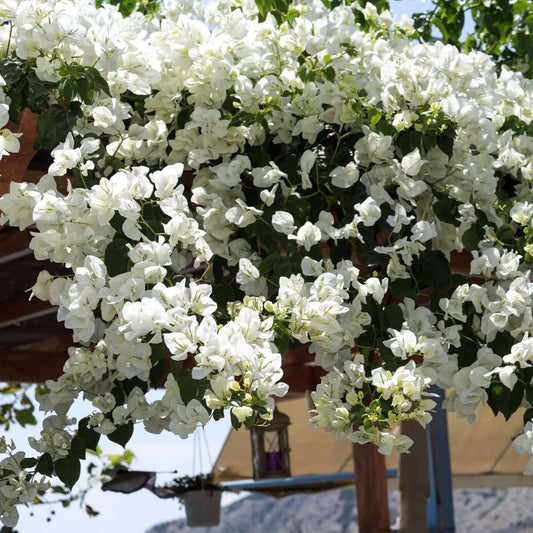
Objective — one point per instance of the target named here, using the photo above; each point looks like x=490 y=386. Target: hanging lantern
x=270 y=447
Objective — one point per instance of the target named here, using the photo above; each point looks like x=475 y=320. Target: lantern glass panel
x=273 y=452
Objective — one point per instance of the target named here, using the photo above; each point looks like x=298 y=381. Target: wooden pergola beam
x=19 y=311
x=31 y=366
x=301 y=378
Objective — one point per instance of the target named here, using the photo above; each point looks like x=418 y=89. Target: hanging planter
x=202 y=507
x=200 y=495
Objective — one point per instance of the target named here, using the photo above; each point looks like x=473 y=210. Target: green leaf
x=502 y=343
x=122 y=434
x=374 y=116
x=68 y=469
x=329 y=74
x=436 y=269
x=175 y=368
x=393 y=316
x=44 y=125
x=12 y=70
x=67 y=90
x=267 y=264
x=157 y=372
x=282 y=342
x=234 y=421
x=408 y=140
x=218 y=414
x=430 y=141
x=471 y=237
x=434 y=301
x=505 y=401
x=116 y=257
x=115 y=163
x=506 y=234
x=183 y=117
x=118 y=393
x=78 y=447
x=127 y=7
x=26 y=400
x=84 y=91
x=117 y=221
x=447 y=210
x=53 y=126
x=16 y=105
x=88 y=434
x=367 y=254
x=528 y=415
x=45 y=465
x=278 y=8
x=445 y=143
x=28 y=462
x=158 y=352
x=190 y=388
x=404 y=288
x=39 y=92
x=242 y=117
x=467 y=352
x=152 y=227
x=222 y=294
x=25 y=416
x=80 y=82
x=129 y=384
x=340 y=251
x=283 y=268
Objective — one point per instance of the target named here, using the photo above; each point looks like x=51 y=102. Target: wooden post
x=414 y=480
x=371 y=489
x=13 y=167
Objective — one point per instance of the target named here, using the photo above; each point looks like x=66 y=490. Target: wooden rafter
x=35 y=362
x=31 y=366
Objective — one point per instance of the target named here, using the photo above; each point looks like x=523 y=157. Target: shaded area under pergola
x=481 y=455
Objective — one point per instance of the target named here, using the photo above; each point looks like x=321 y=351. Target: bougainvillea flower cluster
x=239 y=183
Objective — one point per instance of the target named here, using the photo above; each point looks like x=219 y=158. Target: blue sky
x=408 y=7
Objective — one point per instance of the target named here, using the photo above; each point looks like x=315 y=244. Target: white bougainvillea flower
x=344 y=177
x=283 y=222
x=9 y=142
x=412 y=162
x=307 y=236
